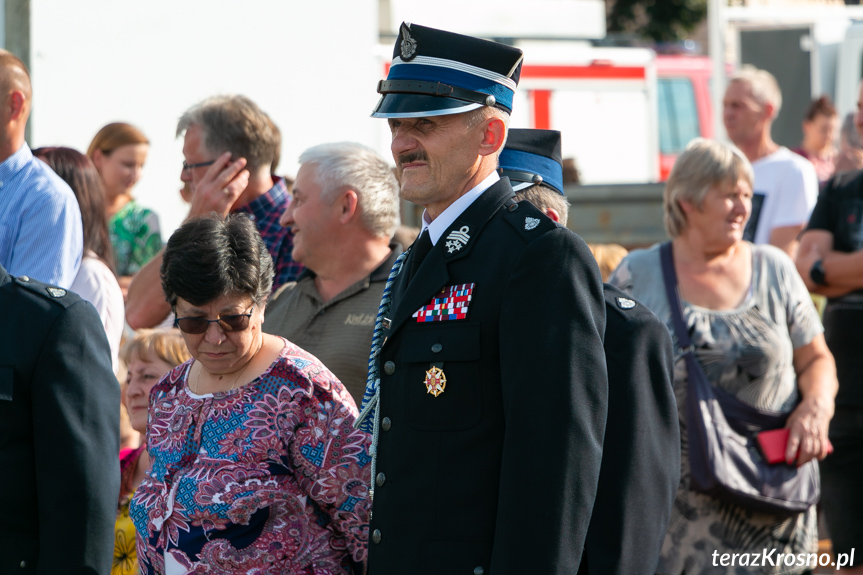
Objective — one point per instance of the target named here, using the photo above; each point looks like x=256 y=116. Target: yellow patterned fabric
x=125 y=555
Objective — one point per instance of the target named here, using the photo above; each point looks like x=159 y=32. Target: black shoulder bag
x=724 y=459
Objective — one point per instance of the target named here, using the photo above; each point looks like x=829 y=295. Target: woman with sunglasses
x=256 y=465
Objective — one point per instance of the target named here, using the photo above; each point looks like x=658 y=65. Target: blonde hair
x=703 y=165
x=163 y=344
x=608 y=257
x=764 y=86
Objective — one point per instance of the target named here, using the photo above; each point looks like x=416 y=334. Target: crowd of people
x=284 y=387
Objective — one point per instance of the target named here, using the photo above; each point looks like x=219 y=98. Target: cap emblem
x=408 y=45
x=530 y=223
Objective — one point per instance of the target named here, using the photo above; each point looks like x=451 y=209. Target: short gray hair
x=703 y=165
x=235 y=124
x=347 y=165
x=543 y=198
x=764 y=86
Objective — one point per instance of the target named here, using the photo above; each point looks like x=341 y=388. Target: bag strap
x=666 y=256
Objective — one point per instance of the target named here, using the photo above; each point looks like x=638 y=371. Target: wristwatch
x=817 y=273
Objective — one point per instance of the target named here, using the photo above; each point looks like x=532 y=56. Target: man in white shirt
x=786 y=186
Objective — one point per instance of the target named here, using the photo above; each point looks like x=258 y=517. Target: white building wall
x=310 y=65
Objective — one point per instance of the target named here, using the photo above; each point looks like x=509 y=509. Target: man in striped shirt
x=40 y=223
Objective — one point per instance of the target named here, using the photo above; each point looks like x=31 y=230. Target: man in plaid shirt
x=230 y=147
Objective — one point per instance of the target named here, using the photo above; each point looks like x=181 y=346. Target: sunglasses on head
x=198 y=325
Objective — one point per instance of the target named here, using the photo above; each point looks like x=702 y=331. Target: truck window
x=678 y=117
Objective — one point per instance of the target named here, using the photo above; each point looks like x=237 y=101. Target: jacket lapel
x=455 y=243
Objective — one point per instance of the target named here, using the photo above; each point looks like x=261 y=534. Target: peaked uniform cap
x=533 y=157
x=436 y=73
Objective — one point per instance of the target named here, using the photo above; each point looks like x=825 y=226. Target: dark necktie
x=420 y=250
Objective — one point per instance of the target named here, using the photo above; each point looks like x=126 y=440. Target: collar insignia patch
x=408 y=45
x=530 y=223
x=625 y=303
x=456 y=240
x=56 y=292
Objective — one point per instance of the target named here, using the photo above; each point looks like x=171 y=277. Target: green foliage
x=657 y=20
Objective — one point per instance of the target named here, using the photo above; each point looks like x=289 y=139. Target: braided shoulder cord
x=369 y=418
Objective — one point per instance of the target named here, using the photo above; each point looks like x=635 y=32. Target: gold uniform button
x=436 y=348
x=478 y=571
x=389 y=368
x=381 y=479
x=386 y=423
x=376 y=536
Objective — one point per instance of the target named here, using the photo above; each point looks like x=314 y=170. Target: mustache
x=419 y=155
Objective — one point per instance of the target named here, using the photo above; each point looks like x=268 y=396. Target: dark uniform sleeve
x=76 y=407
x=554 y=385
x=641 y=453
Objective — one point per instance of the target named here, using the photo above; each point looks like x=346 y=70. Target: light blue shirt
x=40 y=224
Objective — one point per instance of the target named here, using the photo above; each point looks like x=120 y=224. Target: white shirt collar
x=455 y=209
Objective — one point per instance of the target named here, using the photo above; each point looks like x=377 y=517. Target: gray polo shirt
x=337 y=332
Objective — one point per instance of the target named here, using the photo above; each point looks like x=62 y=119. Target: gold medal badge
x=435 y=381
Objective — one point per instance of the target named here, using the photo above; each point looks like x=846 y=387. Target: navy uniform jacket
x=59 y=433
x=497 y=474
x=641 y=453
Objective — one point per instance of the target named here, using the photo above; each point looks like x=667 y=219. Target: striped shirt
x=40 y=224
x=265 y=211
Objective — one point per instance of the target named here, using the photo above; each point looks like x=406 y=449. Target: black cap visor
x=394 y=105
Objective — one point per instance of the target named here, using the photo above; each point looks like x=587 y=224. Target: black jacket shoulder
x=41 y=292
x=527 y=220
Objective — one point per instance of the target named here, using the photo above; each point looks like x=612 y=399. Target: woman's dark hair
x=81 y=175
x=822 y=106
x=210 y=257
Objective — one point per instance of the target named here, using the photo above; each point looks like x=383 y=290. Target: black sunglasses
x=198 y=325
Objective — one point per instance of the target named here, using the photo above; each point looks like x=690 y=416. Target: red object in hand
x=774 y=442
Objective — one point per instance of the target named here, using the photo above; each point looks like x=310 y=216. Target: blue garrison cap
x=436 y=73
x=532 y=157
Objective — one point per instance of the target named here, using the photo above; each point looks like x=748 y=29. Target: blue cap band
x=518 y=161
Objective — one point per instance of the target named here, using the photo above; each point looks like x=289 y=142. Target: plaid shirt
x=265 y=211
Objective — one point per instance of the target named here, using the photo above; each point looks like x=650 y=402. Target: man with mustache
x=487 y=388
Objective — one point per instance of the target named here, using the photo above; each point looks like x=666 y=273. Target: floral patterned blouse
x=268 y=478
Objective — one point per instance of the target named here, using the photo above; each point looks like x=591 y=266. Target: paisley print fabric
x=748 y=351
x=268 y=478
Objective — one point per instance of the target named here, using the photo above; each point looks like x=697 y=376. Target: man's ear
x=769 y=110
x=552 y=213
x=348 y=203
x=17 y=105
x=493 y=136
